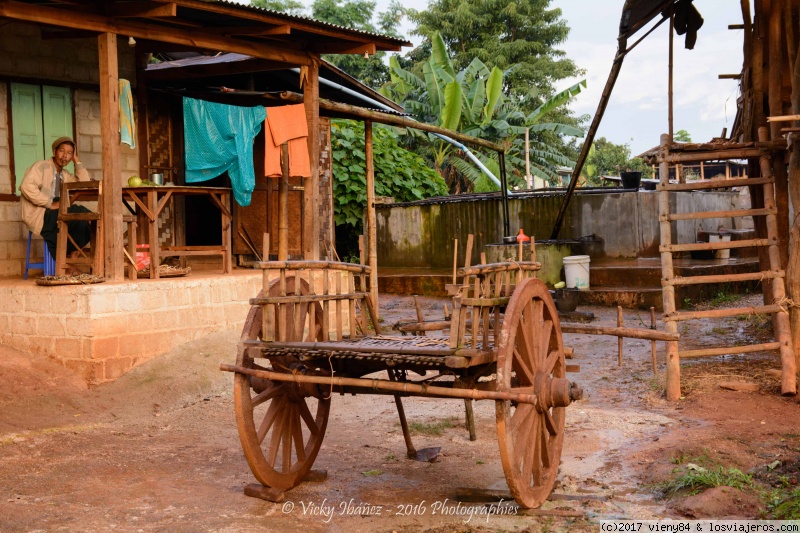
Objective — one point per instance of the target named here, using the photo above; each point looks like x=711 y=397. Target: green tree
x=355 y=14
x=609 y=159
x=523 y=34
x=682 y=136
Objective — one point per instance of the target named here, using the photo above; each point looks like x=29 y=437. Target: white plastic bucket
x=576 y=270
x=725 y=253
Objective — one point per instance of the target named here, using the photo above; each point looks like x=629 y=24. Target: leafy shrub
x=399 y=173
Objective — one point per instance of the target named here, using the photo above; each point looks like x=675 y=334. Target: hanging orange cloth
x=286 y=124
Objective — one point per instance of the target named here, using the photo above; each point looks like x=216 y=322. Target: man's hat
x=61 y=140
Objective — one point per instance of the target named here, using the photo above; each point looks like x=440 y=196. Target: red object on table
x=522 y=237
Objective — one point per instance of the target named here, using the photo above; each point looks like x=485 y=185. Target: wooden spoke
x=275 y=438
x=550 y=363
x=271 y=416
x=536 y=452
x=307 y=418
x=286 y=441
x=524 y=368
x=529 y=351
x=298 y=437
x=272 y=391
x=544 y=436
x=266 y=423
x=549 y=423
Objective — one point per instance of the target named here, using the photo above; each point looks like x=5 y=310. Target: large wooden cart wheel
x=281 y=424
x=530 y=360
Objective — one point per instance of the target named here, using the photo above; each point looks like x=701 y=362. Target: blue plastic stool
x=47 y=265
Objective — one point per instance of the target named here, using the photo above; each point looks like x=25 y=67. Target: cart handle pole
x=563 y=391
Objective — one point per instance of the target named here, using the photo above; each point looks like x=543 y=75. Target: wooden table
x=149 y=202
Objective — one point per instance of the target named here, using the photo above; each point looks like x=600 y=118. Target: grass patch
x=723 y=298
x=787 y=508
x=435 y=429
x=696 y=478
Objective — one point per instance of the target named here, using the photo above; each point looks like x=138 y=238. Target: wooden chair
x=93 y=257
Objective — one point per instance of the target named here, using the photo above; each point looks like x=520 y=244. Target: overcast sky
x=637 y=111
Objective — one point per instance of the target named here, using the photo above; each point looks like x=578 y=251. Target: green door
x=39 y=116
x=26 y=122
x=57 y=116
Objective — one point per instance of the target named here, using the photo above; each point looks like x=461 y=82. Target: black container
x=631 y=180
x=566 y=300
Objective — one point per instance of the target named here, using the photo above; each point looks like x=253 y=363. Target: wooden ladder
x=669 y=280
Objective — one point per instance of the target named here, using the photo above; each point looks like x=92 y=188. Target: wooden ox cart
x=305 y=339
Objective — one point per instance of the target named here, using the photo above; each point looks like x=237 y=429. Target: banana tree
x=472 y=101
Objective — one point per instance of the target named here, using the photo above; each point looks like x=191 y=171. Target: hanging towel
x=287 y=124
x=127 y=128
x=219 y=138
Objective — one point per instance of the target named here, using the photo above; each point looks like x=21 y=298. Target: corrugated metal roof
x=250 y=7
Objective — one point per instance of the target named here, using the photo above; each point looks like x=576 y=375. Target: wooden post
x=109 y=130
x=283 y=205
x=653 y=342
x=620 y=323
x=669 y=89
x=668 y=291
x=455 y=260
x=781 y=319
x=372 y=239
x=311 y=226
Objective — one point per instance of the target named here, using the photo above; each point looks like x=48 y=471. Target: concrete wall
x=25 y=57
x=422 y=235
x=102 y=331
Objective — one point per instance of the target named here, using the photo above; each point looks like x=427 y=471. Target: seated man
x=40 y=190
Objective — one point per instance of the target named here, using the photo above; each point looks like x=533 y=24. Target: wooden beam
x=144 y=30
x=394 y=120
x=783 y=118
x=311 y=237
x=283 y=29
x=730 y=76
x=109 y=130
x=48 y=35
x=345 y=48
x=735 y=26
x=142 y=9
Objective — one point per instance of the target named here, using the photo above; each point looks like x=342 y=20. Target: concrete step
x=631 y=283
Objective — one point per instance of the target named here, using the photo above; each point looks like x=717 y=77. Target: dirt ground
x=158 y=450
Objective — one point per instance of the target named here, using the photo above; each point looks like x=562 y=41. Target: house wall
x=25 y=57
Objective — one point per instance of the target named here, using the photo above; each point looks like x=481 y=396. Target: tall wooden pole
x=372 y=233
x=780 y=320
x=775 y=73
x=668 y=290
x=669 y=89
x=311 y=226
x=109 y=130
x=283 y=206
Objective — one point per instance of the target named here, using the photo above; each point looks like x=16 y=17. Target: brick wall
x=24 y=55
x=102 y=331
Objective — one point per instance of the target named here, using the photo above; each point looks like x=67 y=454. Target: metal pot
x=157 y=178
x=510 y=239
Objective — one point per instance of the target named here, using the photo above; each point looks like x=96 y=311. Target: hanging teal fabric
x=127 y=127
x=219 y=137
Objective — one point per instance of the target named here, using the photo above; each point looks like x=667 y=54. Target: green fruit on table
x=134 y=181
